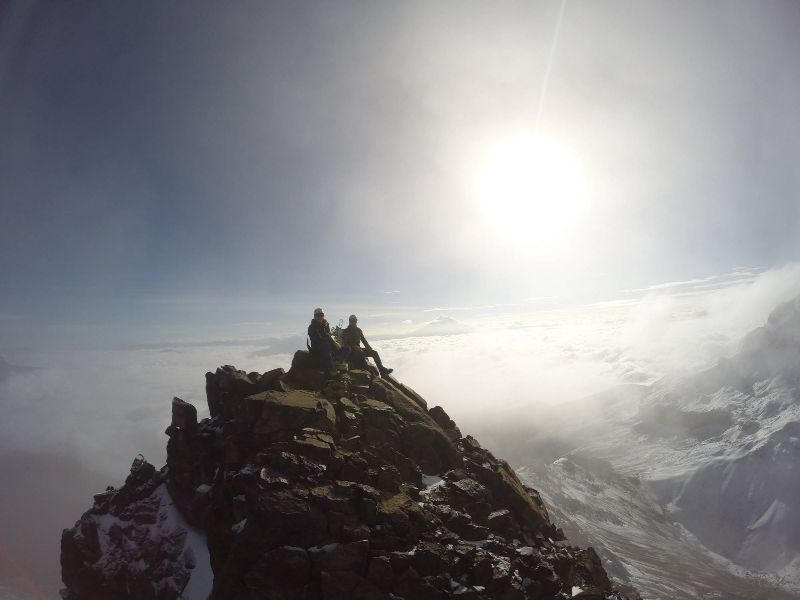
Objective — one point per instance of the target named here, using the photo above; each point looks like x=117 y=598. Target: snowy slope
x=639 y=542
x=169 y=527
x=719 y=450
x=135 y=543
x=741 y=497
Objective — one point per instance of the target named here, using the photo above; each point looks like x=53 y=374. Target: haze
x=563 y=195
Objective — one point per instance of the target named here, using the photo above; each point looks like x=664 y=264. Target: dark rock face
x=309 y=488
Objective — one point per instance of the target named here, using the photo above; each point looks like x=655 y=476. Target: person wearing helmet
x=352 y=338
x=323 y=345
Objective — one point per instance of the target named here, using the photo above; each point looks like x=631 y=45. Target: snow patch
x=430 y=481
x=169 y=527
x=195 y=551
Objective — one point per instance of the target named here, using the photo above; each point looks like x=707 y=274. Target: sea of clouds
x=489 y=367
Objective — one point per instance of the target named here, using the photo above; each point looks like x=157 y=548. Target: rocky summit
x=304 y=487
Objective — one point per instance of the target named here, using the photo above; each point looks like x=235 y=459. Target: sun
x=530 y=188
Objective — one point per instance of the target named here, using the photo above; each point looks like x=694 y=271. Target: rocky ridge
x=303 y=487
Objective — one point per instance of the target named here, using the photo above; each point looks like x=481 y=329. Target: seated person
x=322 y=343
x=352 y=338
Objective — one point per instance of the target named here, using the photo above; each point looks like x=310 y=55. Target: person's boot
x=384 y=371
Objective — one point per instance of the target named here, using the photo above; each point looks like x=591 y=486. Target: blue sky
x=166 y=167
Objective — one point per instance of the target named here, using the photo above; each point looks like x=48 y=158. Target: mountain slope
x=719 y=450
x=301 y=487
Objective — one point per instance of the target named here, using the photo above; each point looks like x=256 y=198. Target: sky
x=565 y=196
x=163 y=167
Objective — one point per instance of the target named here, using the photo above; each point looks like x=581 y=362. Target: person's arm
x=364 y=341
x=328 y=335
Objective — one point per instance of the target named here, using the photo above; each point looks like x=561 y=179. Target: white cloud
x=509 y=371
x=521 y=366
x=106 y=407
x=737 y=276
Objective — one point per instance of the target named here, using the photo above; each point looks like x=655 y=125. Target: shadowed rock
x=301 y=486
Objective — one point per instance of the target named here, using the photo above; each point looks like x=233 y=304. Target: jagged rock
x=590 y=565
x=445 y=422
x=271 y=380
x=500 y=521
x=408 y=392
x=286 y=568
x=184 y=416
x=304 y=487
x=306 y=372
x=225 y=383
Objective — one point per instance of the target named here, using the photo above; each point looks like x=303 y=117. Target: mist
x=157 y=159
x=520 y=381
x=181 y=186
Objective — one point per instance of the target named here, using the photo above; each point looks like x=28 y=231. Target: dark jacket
x=353 y=336
x=320 y=335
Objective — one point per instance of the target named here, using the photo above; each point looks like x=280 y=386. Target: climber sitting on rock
x=352 y=338
x=324 y=346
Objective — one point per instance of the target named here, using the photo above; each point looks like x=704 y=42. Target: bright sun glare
x=531 y=188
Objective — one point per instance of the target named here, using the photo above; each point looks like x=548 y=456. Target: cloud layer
x=498 y=372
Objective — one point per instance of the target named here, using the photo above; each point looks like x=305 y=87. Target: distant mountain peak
x=443 y=325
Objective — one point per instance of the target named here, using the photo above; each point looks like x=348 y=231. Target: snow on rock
x=136 y=538
x=431 y=480
x=313 y=488
x=720 y=451
x=196 y=555
x=739 y=490
x=744 y=505
x=638 y=542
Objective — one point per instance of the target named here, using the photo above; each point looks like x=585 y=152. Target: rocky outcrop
x=304 y=487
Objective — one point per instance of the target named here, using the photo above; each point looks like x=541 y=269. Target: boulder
x=445 y=422
x=306 y=371
x=184 y=416
x=271 y=380
x=281 y=415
